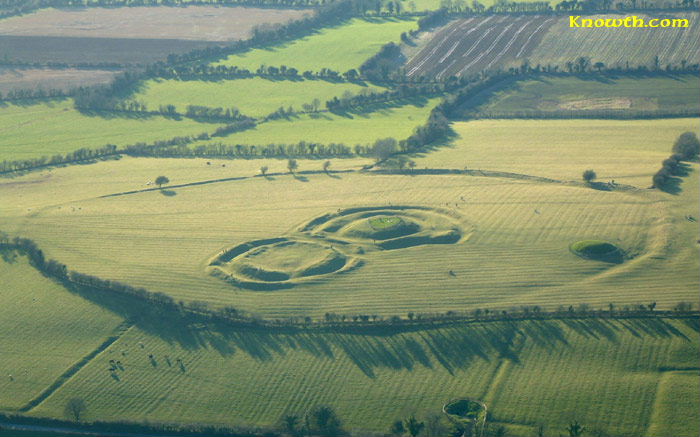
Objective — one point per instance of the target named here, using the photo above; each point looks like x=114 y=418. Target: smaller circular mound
x=382 y=227
x=466 y=413
x=598 y=250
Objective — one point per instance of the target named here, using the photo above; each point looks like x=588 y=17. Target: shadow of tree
x=451 y=347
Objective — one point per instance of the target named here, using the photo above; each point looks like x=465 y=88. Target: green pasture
x=254 y=97
x=587 y=370
x=44 y=328
x=557 y=94
x=350 y=128
x=340 y=48
x=515 y=243
x=46 y=129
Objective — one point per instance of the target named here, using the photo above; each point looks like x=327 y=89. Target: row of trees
x=162 y=303
x=685 y=148
x=302 y=149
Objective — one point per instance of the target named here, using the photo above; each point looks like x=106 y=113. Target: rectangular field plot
x=629 y=152
x=198 y=23
x=337 y=48
x=559 y=95
x=326 y=127
x=591 y=366
x=468 y=46
x=677 y=402
x=616 y=47
x=45 y=330
x=46 y=129
x=47 y=79
x=254 y=97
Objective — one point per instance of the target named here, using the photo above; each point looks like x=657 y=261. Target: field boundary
x=75 y=368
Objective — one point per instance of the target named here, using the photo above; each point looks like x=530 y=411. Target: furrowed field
x=336 y=47
x=470 y=45
x=21 y=79
x=255 y=97
x=44 y=129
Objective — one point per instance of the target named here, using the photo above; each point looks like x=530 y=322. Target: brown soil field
x=46 y=78
x=195 y=23
x=74 y=50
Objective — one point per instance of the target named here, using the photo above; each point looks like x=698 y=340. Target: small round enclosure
x=598 y=250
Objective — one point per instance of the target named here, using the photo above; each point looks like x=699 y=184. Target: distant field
x=570 y=94
x=45 y=129
x=63 y=79
x=585 y=370
x=325 y=127
x=44 y=330
x=469 y=45
x=198 y=23
x=629 y=152
x=614 y=47
x=255 y=97
x=337 y=48
x=73 y=50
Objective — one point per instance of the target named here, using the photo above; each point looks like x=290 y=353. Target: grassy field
x=629 y=152
x=255 y=97
x=337 y=48
x=586 y=370
x=46 y=129
x=348 y=128
x=556 y=94
x=44 y=330
x=515 y=248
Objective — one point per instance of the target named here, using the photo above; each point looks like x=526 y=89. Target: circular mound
x=393 y=227
x=598 y=250
x=279 y=263
x=466 y=413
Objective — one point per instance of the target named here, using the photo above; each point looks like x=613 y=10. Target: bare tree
x=75 y=409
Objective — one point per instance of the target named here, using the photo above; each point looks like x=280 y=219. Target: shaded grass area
x=337 y=47
x=34 y=130
x=421 y=368
x=397 y=120
x=254 y=97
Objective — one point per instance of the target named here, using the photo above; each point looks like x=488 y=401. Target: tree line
x=685 y=148
x=197 y=310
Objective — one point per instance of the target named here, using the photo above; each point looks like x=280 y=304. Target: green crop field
x=46 y=129
x=44 y=330
x=255 y=97
x=590 y=369
x=325 y=127
x=337 y=48
x=557 y=94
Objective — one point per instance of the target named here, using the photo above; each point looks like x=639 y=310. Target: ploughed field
x=129 y=35
x=470 y=45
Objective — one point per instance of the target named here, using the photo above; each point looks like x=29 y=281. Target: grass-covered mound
x=391 y=227
x=598 y=250
x=466 y=414
x=278 y=263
